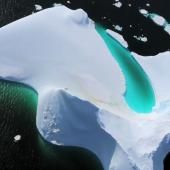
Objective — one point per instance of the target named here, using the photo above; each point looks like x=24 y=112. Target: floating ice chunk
x=38 y=7
x=141 y=38
x=68 y=2
x=118 y=4
x=144 y=39
x=167 y=28
x=56 y=143
x=157 y=19
x=17 y=138
x=148 y=5
x=117 y=27
x=143 y=12
x=56 y=4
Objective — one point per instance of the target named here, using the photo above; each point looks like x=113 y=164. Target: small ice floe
x=144 y=12
x=148 y=4
x=56 y=4
x=157 y=19
x=68 y=2
x=38 y=7
x=144 y=39
x=17 y=138
x=117 y=4
x=167 y=28
x=117 y=27
x=56 y=143
x=141 y=38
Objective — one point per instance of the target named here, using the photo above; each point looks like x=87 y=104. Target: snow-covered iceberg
x=81 y=88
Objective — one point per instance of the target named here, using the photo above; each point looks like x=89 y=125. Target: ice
x=143 y=11
x=38 y=7
x=79 y=124
x=117 y=4
x=141 y=38
x=159 y=20
x=118 y=28
x=68 y=2
x=157 y=68
x=17 y=138
x=80 y=86
x=167 y=28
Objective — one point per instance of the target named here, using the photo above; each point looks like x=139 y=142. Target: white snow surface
x=59 y=53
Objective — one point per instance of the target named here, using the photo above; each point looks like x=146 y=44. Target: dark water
x=17 y=117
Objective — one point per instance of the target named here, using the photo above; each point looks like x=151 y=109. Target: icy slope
x=71 y=121
x=59 y=53
x=66 y=42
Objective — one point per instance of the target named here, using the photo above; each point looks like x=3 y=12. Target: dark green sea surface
x=18 y=105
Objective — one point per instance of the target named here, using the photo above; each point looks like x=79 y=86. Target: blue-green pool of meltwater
x=139 y=93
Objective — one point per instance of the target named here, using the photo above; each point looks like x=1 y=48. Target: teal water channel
x=139 y=93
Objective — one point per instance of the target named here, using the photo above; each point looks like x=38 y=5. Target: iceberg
x=157 y=19
x=81 y=88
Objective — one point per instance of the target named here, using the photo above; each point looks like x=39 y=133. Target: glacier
x=81 y=87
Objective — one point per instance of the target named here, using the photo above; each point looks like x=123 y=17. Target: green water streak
x=139 y=93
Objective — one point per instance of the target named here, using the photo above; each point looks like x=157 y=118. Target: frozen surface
x=59 y=53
